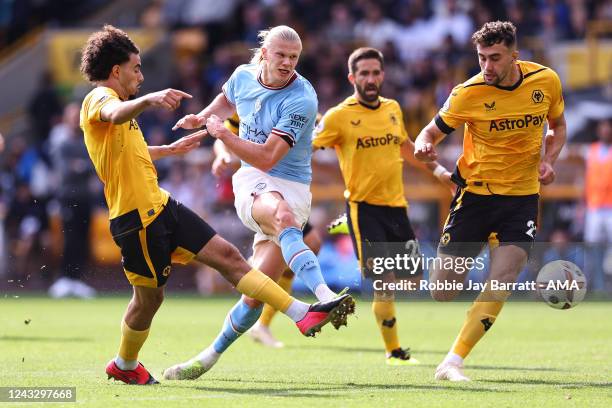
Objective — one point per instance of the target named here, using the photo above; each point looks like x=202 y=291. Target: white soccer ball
x=561 y=284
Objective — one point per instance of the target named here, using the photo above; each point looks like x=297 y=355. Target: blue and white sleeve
x=297 y=118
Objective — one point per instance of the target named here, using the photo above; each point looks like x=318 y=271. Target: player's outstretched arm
x=553 y=143
x=184 y=145
x=220 y=107
x=122 y=111
x=424 y=145
x=438 y=170
x=261 y=156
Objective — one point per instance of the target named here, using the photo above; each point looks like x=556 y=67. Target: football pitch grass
x=533 y=356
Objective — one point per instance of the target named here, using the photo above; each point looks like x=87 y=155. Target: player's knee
x=151 y=301
x=285 y=216
x=232 y=259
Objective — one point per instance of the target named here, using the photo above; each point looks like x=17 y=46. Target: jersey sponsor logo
x=253 y=134
x=393 y=119
x=355 y=122
x=489 y=107
x=371 y=141
x=511 y=124
x=297 y=121
x=537 y=96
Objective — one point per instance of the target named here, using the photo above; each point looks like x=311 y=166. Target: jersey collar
x=516 y=84
x=276 y=88
x=368 y=106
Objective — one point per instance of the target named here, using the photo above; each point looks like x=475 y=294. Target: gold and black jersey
x=367 y=141
x=123 y=163
x=503 y=129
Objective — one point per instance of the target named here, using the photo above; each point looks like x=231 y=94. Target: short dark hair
x=103 y=50
x=364 y=53
x=495 y=32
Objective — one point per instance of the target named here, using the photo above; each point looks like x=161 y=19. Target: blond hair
x=281 y=32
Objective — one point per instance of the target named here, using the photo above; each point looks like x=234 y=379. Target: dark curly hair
x=364 y=53
x=495 y=32
x=103 y=50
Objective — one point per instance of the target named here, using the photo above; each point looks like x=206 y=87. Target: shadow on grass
x=327 y=389
x=363 y=349
x=562 y=384
x=486 y=367
x=47 y=339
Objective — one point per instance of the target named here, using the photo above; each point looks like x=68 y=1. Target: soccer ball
x=561 y=284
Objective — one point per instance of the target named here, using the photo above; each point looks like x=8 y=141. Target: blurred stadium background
x=194 y=45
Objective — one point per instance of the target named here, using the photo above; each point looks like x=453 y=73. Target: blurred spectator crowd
x=48 y=177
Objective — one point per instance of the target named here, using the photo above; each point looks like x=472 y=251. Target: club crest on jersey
x=489 y=107
x=537 y=96
x=257 y=105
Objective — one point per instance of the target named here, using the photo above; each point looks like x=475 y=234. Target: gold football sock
x=268 y=311
x=479 y=320
x=131 y=342
x=384 y=311
x=258 y=286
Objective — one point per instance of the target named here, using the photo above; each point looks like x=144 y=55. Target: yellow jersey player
x=152 y=229
x=370 y=139
x=505 y=109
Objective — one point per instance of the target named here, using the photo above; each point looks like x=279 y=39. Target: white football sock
x=126 y=364
x=453 y=358
x=297 y=310
x=324 y=293
x=208 y=357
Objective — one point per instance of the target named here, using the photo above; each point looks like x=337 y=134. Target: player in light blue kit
x=277 y=109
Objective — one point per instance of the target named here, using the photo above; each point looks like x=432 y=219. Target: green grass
x=533 y=356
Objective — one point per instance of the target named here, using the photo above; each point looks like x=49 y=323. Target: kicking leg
x=260 y=332
x=275 y=217
x=506 y=263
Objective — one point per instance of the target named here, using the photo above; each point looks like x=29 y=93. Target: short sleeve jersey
x=503 y=129
x=288 y=112
x=368 y=144
x=121 y=158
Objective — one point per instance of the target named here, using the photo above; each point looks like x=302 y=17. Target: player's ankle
x=324 y=293
x=453 y=358
x=126 y=364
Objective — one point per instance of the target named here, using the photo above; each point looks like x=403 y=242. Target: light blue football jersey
x=288 y=112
